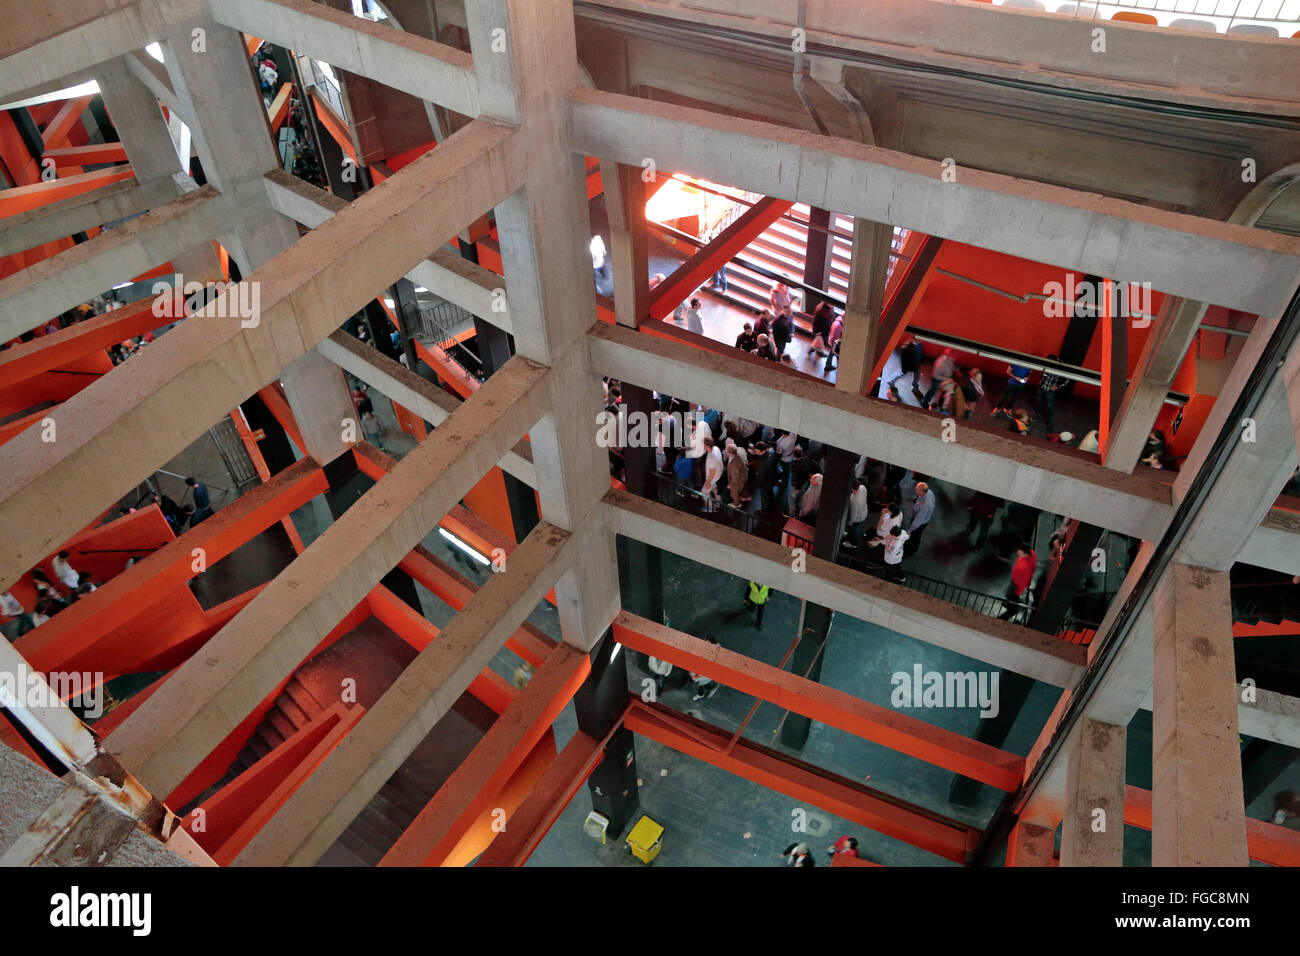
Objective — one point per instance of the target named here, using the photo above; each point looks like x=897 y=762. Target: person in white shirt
x=887 y=521
x=64 y=572
x=859 y=511
x=894 y=542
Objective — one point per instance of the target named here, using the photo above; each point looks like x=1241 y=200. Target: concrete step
x=269 y=735
x=258 y=746
x=362 y=850
x=282 y=724
x=388 y=829
x=297 y=716
x=301 y=696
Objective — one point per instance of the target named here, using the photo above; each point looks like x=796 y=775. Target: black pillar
x=494 y=349
x=837 y=472
x=1083 y=324
x=1013 y=689
x=817 y=260
x=407 y=303
x=599 y=705
x=1262 y=762
x=1063 y=579
x=274 y=445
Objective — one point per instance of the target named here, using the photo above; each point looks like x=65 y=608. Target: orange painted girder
x=133 y=592
x=528 y=825
x=889 y=728
x=696 y=270
x=834 y=794
x=57 y=349
x=1265 y=842
x=469 y=791
x=90 y=155
x=25 y=198
x=273 y=397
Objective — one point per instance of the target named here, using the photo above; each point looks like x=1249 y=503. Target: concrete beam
x=78 y=213
x=444 y=273
x=405 y=61
x=1175 y=329
x=1046 y=49
x=1198 y=811
x=418 y=394
x=1234 y=266
x=869 y=270
x=154 y=76
x=210 y=694
x=42 y=57
x=892 y=606
x=1261 y=462
x=32 y=296
x=137 y=418
x=1055 y=481
x=1275 y=543
x=1272 y=716
x=319 y=811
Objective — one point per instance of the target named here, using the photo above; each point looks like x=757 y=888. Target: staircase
x=292 y=711
x=374 y=830
x=782 y=250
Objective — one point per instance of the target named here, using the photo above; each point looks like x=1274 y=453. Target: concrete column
x=1063 y=578
x=1291 y=381
x=318 y=395
x=868 y=275
x=1031 y=845
x=1166 y=345
x=143 y=133
x=1197 y=805
x=1092 y=831
x=545 y=234
x=625 y=199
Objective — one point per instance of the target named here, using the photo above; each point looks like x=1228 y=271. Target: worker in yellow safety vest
x=756 y=597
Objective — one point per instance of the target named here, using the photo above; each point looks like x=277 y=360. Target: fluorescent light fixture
x=456 y=542
x=155 y=50
x=123 y=285
x=420 y=288
x=614 y=653
x=388 y=302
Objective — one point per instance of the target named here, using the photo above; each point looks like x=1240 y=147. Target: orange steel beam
x=142 y=585
x=903 y=295
x=468 y=792
x=18 y=425
x=693 y=273
x=34 y=196
x=57 y=349
x=57 y=130
x=802 y=781
x=1265 y=842
x=456 y=590
x=92 y=154
x=528 y=825
x=263 y=472
x=273 y=396
x=236 y=812
x=504 y=804
x=880 y=725
x=334 y=125
x=278 y=111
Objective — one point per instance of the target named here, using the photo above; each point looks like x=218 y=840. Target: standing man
x=1050 y=384
x=737 y=474
x=922 y=512
x=859 y=511
x=982 y=510
x=1022 y=575
x=756 y=597
x=943 y=369
x=1017 y=376
x=782 y=331
x=202 y=501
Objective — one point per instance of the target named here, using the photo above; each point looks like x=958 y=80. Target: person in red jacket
x=1022 y=575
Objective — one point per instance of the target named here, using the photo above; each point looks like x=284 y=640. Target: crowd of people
x=52 y=597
